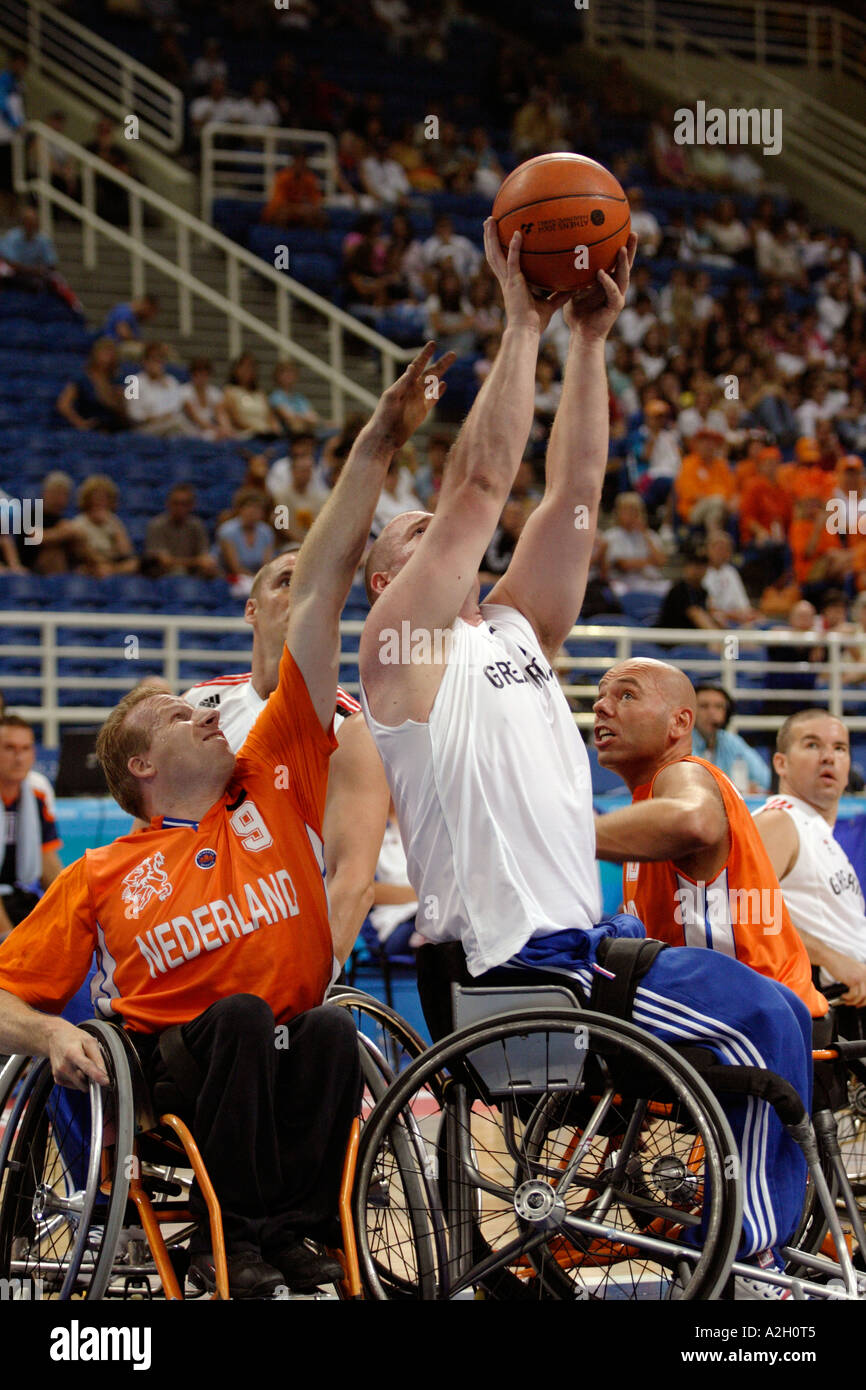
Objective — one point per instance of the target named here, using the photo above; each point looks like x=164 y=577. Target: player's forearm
x=350 y=897
x=578 y=446
x=490 y=445
x=335 y=544
x=658 y=829
x=24 y=1029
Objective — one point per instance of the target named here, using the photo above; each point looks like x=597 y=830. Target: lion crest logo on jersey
x=146 y=880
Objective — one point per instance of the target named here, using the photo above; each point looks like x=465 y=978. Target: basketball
x=574 y=217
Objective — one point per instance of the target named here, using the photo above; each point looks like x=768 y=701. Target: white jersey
x=240 y=705
x=493 y=797
x=822 y=892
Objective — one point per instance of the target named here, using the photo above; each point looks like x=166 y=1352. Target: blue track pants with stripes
x=691 y=995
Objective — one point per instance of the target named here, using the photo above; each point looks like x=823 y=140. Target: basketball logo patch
x=206 y=858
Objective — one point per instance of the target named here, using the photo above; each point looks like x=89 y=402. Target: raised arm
x=437 y=579
x=332 y=551
x=546 y=578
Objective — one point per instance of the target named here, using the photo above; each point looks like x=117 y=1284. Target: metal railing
x=59 y=48
x=190 y=288
x=820 y=141
x=815 y=37
x=242 y=161
x=161 y=642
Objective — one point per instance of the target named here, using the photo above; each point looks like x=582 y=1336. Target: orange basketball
x=573 y=215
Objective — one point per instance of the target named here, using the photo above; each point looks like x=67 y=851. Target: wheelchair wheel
x=851 y=1123
x=397 y=1234
x=392 y=1038
x=569 y=1157
x=58 y=1229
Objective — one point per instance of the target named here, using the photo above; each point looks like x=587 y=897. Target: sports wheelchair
x=94 y=1186
x=544 y=1151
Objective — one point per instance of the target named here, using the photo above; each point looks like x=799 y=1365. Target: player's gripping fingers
x=76 y=1060
x=493 y=249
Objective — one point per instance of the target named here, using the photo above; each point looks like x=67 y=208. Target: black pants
x=272 y=1116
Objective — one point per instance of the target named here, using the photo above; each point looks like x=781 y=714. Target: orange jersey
x=740 y=912
x=181 y=915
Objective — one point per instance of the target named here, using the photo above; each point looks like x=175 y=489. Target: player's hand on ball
x=522 y=308
x=406 y=404
x=594 y=311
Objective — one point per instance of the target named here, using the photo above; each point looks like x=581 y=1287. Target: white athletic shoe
x=757 y=1290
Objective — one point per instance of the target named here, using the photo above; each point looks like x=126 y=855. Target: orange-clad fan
x=211 y=928
x=765 y=506
x=694 y=867
x=706 y=486
x=806 y=477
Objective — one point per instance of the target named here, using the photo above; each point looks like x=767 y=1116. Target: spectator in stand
x=157 y=406
x=729 y=604
x=404 y=260
x=428 y=479
x=202 y=403
x=59 y=549
x=415 y=155
x=257 y=108
x=548 y=392
x=112 y=200
x=766 y=513
x=644 y=223
x=245 y=543
x=634 y=554
x=246 y=403
x=397 y=495
x=820 y=403
x=65 y=172
x=537 y=128
x=176 y=542
x=487 y=316
x=28 y=260
x=450 y=314
x=170 y=61
x=500 y=551
x=208 y=65
x=701 y=414
x=669 y=160
x=652 y=352
x=125 y=321
x=655 y=458
x=445 y=246
x=296 y=197
x=487 y=172
x=367 y=282
x=93 y=400
x=217 y=107
x=382 y=177
x=770 y=405
x=730 y=235
x=636 y=320
x=706 y=486
x=802 y=655
x=292 y=485
x=713 y=741
x=834 y=304
x=685 y=603
x=291 y=407
x=776 y=255
x=28 y=830
x=102 y=535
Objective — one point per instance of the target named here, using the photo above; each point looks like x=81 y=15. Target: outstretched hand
x=406 y=404
x=595 y=310
x=522 y=308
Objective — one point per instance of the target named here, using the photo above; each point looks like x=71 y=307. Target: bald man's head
x=644 y=716
x=392 y=549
